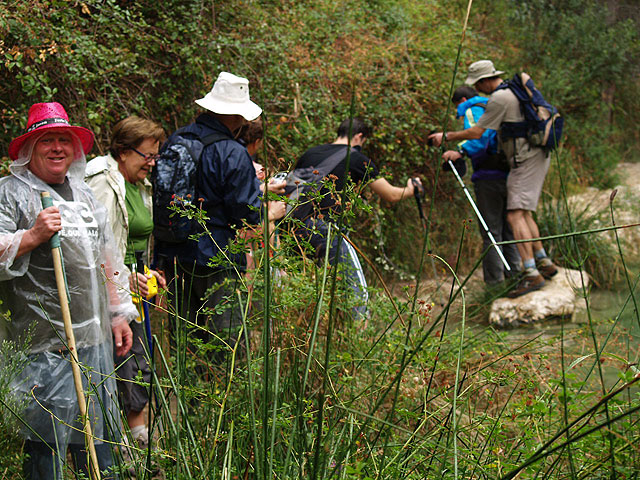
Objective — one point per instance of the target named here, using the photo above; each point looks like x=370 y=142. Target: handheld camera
x=280 y=176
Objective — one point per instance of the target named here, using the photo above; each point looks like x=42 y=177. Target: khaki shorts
x=525 y=180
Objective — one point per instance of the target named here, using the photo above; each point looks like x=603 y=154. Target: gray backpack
x=174 y=184
x=303 y=180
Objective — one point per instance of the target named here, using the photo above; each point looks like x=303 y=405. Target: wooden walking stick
x=63 y=294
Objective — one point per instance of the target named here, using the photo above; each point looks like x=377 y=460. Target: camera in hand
x=280 y=176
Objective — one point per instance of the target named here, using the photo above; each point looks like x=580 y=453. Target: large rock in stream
x=561 y=296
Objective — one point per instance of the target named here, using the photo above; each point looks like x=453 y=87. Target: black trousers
x=209 y=309
x=491 y=199
x=43 y=464
x=134 y=396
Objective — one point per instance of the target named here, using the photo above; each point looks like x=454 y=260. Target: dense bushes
x=403 y=396
x=108 y=59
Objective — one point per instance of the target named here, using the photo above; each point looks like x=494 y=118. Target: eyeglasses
x=152 y=157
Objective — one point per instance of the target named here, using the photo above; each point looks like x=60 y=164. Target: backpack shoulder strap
x=332 y=161
x=213 y=138
x=205 y=140
x=517 y=87
x=503 y=85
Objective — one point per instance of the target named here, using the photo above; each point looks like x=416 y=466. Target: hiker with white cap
x=529 y=165
x=50 y=158
x=227 y=190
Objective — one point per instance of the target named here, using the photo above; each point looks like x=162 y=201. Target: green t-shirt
x=140 y=223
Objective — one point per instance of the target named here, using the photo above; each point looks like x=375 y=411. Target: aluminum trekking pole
x=63 y=294
x=482 y=222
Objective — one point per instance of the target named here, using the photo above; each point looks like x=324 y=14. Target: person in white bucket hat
x=529 y=165
x=230 y=96
x=228 y=192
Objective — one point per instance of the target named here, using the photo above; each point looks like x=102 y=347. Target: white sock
x=531 y=272
x=140 y=432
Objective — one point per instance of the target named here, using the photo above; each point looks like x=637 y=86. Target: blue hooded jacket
x=471 y=110
x=231 y=195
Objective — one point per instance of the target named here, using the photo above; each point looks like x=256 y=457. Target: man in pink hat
x=50 y=157
x=529 y=165
x=228 y=192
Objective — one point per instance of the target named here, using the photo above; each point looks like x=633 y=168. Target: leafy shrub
x=12 y=362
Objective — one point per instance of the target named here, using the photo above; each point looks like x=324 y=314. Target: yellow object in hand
x=152 y=286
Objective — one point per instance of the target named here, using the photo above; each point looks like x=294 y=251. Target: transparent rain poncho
x=98 y=298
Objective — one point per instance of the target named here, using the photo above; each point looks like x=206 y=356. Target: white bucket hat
x=230 y=96
x=481 y=69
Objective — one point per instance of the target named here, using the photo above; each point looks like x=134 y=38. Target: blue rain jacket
x=231 y=195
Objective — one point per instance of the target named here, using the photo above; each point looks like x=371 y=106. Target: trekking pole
x=63 y=294
x=418 y=193
x=144 y=311
x=479 y=215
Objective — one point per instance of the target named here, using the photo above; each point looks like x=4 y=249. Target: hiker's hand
x=409 y=189
x=416 y=186
x=451 y=155
x=47 y=223
x=138 y=283
x=277 y=210
x=162 y=282
x=457 y=162
x=161 y=297
x=122 y=336
x=275 y=186
x=435 y=139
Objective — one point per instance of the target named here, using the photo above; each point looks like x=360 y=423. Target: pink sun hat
x=49 y=116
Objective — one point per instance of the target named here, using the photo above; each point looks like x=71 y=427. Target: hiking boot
x=527 y=284
x=548 y=270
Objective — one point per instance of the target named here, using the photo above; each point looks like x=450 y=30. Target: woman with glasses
x=119 y=181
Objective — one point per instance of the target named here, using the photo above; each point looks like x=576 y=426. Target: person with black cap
x=317 y=209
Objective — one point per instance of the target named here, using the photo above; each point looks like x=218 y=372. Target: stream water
x=613 y=324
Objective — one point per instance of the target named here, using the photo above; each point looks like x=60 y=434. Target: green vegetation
x=107 y=59
x=417 y=391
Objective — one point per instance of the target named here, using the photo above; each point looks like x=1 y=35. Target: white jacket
x=107 y=183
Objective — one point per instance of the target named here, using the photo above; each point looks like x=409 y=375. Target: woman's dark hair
x=463 y=92
x=131 y=132
x=251 y=131
x=357 y=126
